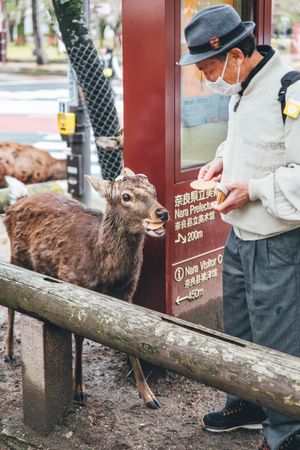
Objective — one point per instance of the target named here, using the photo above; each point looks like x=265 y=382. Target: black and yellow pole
x=74 y=126
x=79 y=162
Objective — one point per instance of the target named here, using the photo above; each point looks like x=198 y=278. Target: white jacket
x=261 y=150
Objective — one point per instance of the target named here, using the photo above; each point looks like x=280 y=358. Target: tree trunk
x=88 y=67
x=20 y=38
x=3 y=32
x=38 y=39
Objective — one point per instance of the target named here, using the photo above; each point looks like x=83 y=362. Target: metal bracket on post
x=79 y=162
x=75 y=175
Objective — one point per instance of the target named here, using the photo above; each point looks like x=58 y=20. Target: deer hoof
x=153 y=404
x=80 y=398
x=9 y=358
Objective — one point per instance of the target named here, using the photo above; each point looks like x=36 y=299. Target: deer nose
x=162 y=214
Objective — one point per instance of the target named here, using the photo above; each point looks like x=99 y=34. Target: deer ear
x=103 y=187
x=127 y=172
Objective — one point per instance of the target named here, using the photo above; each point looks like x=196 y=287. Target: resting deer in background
x=59 y=237
x=29 y=164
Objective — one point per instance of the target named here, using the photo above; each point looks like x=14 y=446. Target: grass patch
x=24 y=53
x=2 y=378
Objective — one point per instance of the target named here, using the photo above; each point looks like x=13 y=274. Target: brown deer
x=59 y=237
x=29 y=164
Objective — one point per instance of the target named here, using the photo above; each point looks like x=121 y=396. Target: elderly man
x=259 y=165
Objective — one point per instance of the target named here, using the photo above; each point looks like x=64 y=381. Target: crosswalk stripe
x=53 y=145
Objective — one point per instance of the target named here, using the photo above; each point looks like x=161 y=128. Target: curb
x=12 y=68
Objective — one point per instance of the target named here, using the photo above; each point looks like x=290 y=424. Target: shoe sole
x=254 y=426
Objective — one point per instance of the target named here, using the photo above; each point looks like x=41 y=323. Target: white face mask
x=221 y=86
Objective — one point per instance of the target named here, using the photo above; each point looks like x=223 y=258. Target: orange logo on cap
x=215 y=43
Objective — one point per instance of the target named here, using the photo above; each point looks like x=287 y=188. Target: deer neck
x=116 y=238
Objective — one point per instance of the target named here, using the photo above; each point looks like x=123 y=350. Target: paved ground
x=114 y=417
x=28 y=112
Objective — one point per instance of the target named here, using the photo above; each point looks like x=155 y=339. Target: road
x=28 y=115
x=28 y=112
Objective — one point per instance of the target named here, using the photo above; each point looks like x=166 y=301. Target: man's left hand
x=237 y=197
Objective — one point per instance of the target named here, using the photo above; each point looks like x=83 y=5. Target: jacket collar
x=267 y=52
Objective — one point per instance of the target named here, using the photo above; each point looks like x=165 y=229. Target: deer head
x=133 y=198
x=109 y=143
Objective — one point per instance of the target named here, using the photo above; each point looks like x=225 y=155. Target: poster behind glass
x=204 y=114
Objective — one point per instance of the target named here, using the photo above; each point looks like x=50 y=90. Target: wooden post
x=47 y=373
x=253 y=372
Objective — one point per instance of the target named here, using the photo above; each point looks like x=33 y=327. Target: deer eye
x=126 y=197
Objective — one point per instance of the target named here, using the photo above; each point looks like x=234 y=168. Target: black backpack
x=288 y=79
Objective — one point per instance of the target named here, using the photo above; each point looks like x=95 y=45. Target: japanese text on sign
x=191 y=210
x=194 y=276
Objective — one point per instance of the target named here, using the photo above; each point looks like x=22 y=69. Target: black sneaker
x=291 y=443
x=240 y=414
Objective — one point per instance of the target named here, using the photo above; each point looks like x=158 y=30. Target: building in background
x=286 y=30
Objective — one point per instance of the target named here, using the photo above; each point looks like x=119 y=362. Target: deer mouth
x=154 y=229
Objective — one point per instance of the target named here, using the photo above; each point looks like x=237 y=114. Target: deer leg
x=144 y=391
x=9 y=340
x=79 y=395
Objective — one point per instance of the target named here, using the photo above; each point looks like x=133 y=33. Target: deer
x=29 y=164
x=61 y=238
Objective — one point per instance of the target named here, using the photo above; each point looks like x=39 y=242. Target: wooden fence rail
x=253 y=372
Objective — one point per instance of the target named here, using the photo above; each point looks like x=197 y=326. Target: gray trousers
x=261 y=289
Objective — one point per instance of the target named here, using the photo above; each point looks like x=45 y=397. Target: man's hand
x=237 y=197
x=211 y=170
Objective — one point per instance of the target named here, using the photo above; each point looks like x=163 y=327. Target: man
x=259 y=164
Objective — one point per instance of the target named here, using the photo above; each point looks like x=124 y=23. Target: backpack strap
x=288 y=79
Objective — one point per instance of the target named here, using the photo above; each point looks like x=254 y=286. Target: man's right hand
x=212 y=170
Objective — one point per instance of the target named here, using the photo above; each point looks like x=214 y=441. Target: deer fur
x=110 y=143
x=29 y=164
x=59 y=237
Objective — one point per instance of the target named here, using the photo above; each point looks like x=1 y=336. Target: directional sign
x=182 y=299
x=180 y=239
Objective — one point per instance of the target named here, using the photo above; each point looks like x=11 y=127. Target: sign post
x=173 y=124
